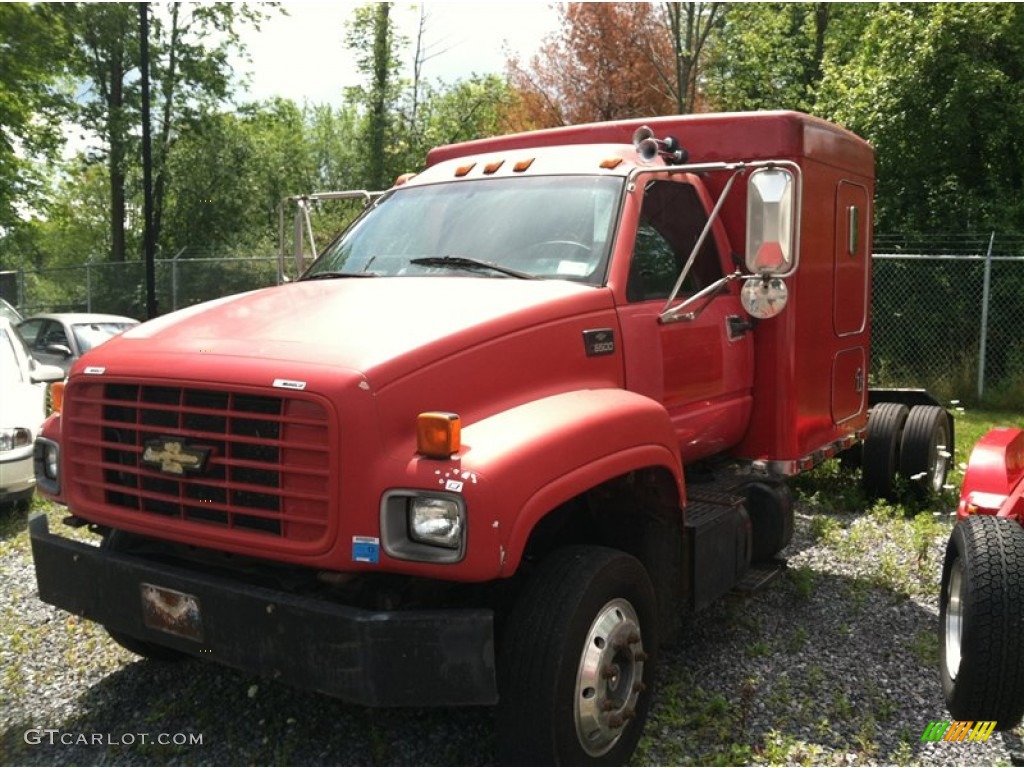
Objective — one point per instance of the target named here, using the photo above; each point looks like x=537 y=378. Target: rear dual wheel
x=926 y=449
x=906 y=449
x=576 y=662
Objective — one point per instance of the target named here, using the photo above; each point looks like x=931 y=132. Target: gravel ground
x=832 y=663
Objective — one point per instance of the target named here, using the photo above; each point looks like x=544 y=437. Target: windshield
x=556 y=227
x=93 y=334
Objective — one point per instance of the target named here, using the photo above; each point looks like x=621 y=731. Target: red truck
x=981 y=604
x=530 y=411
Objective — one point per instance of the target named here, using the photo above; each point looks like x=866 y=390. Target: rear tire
x=881 y=449
x=981 y=621
x=577 y=661
x=122 y=541
x=925 y=449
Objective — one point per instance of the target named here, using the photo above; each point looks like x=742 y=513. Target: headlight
x=14 y=437
x=435 y=521
x=46 y=463
x=423 y=525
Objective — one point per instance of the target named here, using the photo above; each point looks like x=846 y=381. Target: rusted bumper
x=374 y=658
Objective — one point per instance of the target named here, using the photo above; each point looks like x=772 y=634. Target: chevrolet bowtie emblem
x=173 y=456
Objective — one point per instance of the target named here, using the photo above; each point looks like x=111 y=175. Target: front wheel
x=981 y=619
x=576 y=663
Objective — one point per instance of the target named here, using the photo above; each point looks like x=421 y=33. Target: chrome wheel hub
x=610 y=677
x=954 y=619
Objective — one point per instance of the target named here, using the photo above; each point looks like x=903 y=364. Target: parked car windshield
x=93 y=334
x=557 y=227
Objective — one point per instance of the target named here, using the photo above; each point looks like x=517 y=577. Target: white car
x=22 y=410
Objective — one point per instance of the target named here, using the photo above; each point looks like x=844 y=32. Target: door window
x=671 y=221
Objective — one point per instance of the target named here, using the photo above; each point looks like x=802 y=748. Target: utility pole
x=147 y=166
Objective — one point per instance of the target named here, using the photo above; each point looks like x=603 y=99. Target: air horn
x=649 y=147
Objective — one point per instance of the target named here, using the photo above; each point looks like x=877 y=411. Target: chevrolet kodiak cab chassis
x=526 y=414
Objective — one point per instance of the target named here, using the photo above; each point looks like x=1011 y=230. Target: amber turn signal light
x=438 y=434
x=56 y=396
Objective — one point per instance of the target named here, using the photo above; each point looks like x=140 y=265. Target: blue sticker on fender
x=365 y=549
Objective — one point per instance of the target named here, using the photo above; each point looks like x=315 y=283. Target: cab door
x=700 y=369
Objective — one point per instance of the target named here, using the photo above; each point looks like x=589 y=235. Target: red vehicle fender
x=539 y=455
x=994 y=482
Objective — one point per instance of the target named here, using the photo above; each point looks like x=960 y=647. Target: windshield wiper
x=464 y=262
x=331 y=275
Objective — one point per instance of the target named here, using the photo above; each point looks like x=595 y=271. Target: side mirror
x=772 y=222
x=46 y=373
x=59 y=349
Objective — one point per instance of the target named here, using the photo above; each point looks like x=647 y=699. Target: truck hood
x=380 y=327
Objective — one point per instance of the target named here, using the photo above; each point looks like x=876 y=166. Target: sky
x=302 y=56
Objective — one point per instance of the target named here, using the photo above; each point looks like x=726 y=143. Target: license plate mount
x=168 y=610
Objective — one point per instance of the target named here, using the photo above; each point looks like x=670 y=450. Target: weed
x=824 y=528
x=802 y=579
x=797 y=639
x=925 y=646
x=760 y=648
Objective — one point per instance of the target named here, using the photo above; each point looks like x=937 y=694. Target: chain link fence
x=947 y=315
x=946 y=311
x=120 y=288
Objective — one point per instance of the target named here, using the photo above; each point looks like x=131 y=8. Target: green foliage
x=772 y=55
x=375 y=44
x=31 y=103
x=937 y=88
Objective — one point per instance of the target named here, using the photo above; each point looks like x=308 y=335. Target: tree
x=373 y=40
x=462 y=111
x=189 y=74
x=31 y=104
x=773 y=55
x=107 y=35
x=690 y=27
x=600 y=65
x=938 y=88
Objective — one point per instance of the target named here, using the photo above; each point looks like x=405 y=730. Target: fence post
x=88 y=287
x=985 y=296
x=174 y=279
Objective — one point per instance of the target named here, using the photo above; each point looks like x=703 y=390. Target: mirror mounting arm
x=677 y=313
x=700 y=240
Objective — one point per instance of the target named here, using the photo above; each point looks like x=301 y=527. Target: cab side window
x=670 y=224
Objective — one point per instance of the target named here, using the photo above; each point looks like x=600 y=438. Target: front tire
x=577 y=661
x=981 y=621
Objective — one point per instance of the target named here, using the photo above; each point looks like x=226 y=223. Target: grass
x=895 y=548
x=694 y=721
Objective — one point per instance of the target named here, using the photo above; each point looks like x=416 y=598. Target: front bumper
x=17 y=478
x=374 y=658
